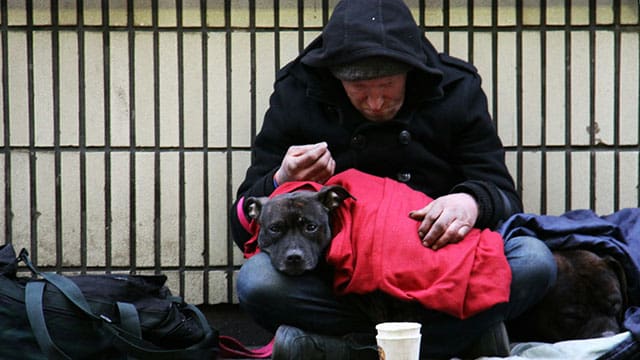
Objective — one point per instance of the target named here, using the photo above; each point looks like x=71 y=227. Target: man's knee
x=533 y=269
x=530 y=258
x=257 y=280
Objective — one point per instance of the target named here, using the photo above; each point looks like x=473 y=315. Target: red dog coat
x=376 y=247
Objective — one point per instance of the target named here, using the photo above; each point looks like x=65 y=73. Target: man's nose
x=375 y=101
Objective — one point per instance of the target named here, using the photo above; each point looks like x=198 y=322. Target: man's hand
x=446 y=220
x=306 y=163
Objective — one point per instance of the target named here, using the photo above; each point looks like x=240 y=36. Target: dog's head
x=295 y=227
x=587 y=301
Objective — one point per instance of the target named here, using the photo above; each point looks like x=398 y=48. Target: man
x=371 y=93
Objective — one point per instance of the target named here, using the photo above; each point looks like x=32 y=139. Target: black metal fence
x=127 y=125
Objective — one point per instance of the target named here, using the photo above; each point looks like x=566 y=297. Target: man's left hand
x=446 y=220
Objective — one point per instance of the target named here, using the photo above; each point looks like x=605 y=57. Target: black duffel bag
x=50 y=316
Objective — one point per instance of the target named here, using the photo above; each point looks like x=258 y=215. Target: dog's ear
x=253 y=206
x=332 y=196
x=622 y=277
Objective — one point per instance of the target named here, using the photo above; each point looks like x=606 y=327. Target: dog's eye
x=311 y=227
x=275 y=228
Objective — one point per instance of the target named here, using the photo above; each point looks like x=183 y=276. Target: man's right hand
x=306 y=163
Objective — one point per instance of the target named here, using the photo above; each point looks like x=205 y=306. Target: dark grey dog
x=295 y=227
x=587 y=301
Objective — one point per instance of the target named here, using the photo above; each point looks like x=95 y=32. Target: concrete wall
x=126 y=126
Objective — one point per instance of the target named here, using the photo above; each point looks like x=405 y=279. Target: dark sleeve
x=481 y=159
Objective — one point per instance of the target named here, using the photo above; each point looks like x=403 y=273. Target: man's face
x=377 y=99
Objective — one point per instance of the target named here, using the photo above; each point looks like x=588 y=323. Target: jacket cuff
x=270 y=183
x=489 y=201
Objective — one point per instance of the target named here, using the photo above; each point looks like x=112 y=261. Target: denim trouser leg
x=308 y=302
x=533 y=272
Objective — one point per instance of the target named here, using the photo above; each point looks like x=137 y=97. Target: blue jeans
x=272 y=298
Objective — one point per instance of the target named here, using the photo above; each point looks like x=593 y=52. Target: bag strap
x=140 y=349
x=129 y=319
x=35 y=313
x=125 y=338
x=34 y=295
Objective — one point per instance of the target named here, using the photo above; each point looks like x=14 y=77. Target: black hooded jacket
x=442 y=140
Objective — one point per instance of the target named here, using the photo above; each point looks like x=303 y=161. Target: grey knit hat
x=369 y=68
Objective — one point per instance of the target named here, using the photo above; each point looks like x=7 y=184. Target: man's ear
x=332 y=196
x=253 y=206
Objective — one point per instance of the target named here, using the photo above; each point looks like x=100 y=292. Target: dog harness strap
x=242 y=217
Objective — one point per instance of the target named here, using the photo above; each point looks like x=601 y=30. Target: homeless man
x=371 y=93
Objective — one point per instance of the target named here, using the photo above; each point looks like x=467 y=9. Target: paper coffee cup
x=399 y=340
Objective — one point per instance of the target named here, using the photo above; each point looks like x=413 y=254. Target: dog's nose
x=294 y=258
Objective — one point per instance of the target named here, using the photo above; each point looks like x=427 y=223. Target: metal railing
x=127 y=126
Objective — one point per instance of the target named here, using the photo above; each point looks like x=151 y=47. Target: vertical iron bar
x=82 y=136
x=519 y=87
x=205 y=149
x=182 y=241
x=592 y=106
x=6 y=116
x=33 y=173
x=325 y=12
x=638 y=117
x=276 y=35
x=543 y=107
x=300 y=25
x=132 y=137
x=229 y=140
x=567 y=109
x=470 y=32
x=494 y=63
x=106 y=74
x=55 y=34
x=157 y=209
x=446 y=28
x=616 y=104
x=252 y=59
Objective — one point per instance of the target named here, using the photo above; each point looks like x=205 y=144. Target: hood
x=360 y=29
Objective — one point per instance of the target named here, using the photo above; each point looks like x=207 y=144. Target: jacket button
x=358 y=141
x=404 y=176
x=404 y=137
